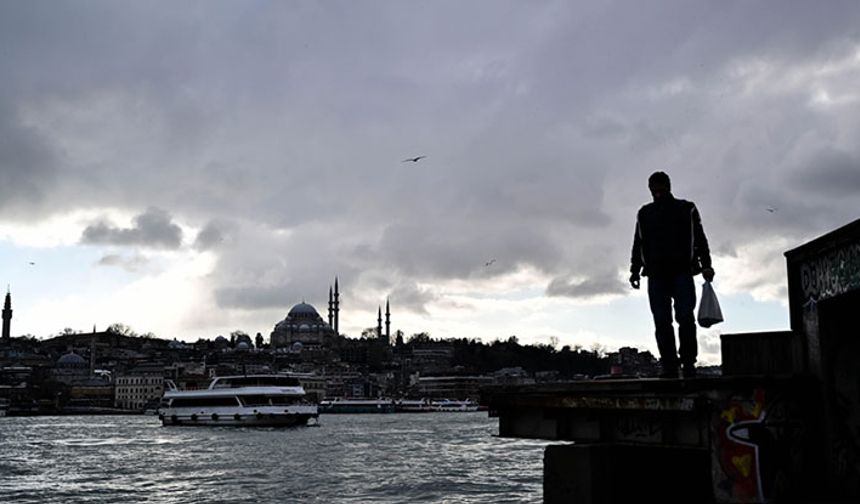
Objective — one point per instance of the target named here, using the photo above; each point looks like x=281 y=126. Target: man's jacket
x=669 y=239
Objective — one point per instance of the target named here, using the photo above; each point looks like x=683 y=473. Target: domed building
x=71 y=360
x=302 y=325
x=71 y=368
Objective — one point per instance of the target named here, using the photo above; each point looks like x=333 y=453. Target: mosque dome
x=242 y=345
x=303 y=310
x=71 y=359
x=297 y=347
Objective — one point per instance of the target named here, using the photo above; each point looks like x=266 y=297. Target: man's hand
x=634 y=280
x=708 y=274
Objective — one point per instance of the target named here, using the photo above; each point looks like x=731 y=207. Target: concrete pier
x=781 y=425
x=719 y=439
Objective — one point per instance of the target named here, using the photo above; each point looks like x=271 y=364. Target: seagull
x=32 y=263
x=771 y=209
x=413 y=159
x=489 y=263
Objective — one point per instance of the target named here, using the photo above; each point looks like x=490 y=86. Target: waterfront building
x=137 y=388
x=451 y=387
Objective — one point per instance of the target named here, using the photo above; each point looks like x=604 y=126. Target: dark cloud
x=575 y=286
x=256 y=296
x=28 y=165
x=210 y=237
x=131 y=264
x=412 y=297
x=830 y=172
x=152 y=229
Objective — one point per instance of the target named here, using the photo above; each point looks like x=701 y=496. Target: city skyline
x=194 y=169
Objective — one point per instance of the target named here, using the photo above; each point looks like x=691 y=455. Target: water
x=348 y=458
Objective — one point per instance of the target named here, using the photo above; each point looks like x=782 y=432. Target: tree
x=368 y=333
x=121 y=329
x=422 y=337
x=598 y=350
x=259 y=341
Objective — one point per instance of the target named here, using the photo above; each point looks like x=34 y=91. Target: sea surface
x=430 y=457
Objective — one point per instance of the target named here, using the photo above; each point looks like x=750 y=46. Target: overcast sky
x=193 y=168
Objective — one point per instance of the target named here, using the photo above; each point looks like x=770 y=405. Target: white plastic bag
x=709 y=307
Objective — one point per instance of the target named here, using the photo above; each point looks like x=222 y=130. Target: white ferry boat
x=413 y=406
x=340 y=405
x=449 y=405
x=252 y=400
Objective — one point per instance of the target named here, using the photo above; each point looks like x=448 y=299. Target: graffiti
x=831 y=274
x=758 y=448
x=639 y=428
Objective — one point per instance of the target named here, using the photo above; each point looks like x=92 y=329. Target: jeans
x=661 y=291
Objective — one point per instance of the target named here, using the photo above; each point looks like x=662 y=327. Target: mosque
x=304 y=325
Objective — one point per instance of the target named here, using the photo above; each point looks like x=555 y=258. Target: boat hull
x=262 y=417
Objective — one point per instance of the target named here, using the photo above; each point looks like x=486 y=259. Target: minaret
x=379 y=324
x=93 y=353
x=336 y=309
x=387 y=323
x=7 y=316
x=330 y=308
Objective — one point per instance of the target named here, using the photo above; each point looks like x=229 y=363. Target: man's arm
x=636 y=256
x=700 y=245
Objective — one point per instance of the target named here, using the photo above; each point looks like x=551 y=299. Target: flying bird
x=413 y=159
x=489 y=263
x=771 y=209
x=32 y=263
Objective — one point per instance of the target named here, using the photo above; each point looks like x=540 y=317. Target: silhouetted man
x=670 y=247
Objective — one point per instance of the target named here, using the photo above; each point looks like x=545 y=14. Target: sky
x=194 y=168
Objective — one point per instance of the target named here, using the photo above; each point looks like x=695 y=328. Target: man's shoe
x=689 y=371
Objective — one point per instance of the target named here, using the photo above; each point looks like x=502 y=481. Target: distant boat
x=357 y=406
x=448 y=405
x=413 y=406
x=252 y=400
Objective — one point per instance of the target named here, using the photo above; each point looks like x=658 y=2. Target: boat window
x=198 y=402
x=254 y=400
x=257 y=381
x=284 y=400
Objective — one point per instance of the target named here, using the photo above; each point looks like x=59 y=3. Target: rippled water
x=348 y=458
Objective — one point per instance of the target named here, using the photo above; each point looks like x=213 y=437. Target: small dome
x=175 y=344
x=220 y=338
x=304 y=328
x=297 y=347
x=71 y=359
x=242 y=345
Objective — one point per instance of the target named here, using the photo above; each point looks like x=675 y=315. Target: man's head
x=659 y=184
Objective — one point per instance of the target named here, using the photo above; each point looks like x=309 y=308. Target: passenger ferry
x=449 y=405
x=249 y=400
x=357 y=406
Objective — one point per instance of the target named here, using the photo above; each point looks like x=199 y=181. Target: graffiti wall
x=757 y=448
x=831 y=274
